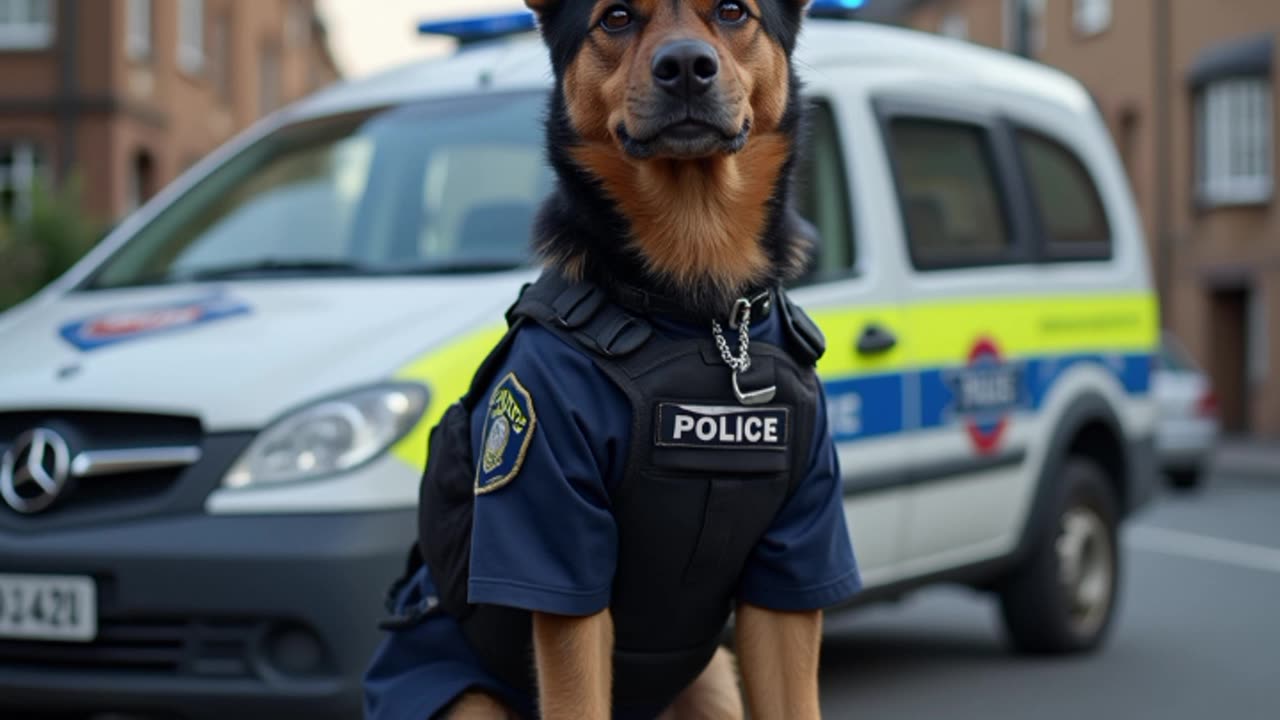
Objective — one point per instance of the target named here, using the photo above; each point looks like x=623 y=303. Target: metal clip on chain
x=742 y=318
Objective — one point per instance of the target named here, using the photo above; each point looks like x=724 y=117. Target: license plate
x=48 y=607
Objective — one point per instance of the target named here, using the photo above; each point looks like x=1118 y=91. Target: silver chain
x=741 y=363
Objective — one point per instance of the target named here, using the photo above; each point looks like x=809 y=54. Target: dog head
x=685 y=114
x=672 y=78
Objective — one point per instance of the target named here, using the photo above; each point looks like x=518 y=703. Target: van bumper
x=212 y=616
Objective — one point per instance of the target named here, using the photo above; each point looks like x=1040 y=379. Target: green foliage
x=36 y=249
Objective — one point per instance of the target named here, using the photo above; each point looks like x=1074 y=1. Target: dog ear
x=542 y=6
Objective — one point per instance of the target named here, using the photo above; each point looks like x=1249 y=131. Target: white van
x=213 y=427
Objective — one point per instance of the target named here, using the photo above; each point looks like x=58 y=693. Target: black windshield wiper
x=269 y=267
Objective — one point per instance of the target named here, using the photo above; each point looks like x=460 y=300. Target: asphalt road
x=1198 y=635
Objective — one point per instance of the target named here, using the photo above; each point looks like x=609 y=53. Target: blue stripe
x=872 y=406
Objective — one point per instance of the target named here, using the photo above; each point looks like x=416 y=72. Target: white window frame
x=1091 y=17
x=138 y=34
x=22 y=174
x=21 y=30
x=1234 y=143
x=191 y=54
x=955 y=25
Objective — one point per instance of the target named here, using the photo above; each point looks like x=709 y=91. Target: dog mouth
x=687 y=138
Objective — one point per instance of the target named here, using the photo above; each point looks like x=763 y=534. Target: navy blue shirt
x=544 y=537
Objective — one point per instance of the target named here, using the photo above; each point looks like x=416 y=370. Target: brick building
x=129 y=93
x=1188 y=88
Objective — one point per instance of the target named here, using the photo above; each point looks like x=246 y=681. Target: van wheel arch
x=1088 y=428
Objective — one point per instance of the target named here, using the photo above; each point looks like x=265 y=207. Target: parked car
x=1187 y=431
x=213 y=427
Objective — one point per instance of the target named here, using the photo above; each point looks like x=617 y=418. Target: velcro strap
x=576 y=305
x=810 y=344
x=618 y=334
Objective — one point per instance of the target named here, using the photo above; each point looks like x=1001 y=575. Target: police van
x=213 y=427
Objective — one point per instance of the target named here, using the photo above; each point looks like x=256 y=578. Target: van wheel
x=1063 y=598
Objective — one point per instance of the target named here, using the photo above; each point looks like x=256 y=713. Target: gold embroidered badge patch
x=508 y=430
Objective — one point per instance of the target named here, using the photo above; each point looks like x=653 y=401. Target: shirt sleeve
x=805 y=560
x=544 y=537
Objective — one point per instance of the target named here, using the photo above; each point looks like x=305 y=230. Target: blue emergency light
x=484 y=27
x=835 y=8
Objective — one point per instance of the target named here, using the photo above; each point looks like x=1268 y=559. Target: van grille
x=205 y=649
x=107 y=496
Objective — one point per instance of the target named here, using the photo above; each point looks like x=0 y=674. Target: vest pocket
x=446 y=504
x=736 y=513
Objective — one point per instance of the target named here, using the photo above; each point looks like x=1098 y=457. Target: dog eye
x=616 y=18
x=731 y=12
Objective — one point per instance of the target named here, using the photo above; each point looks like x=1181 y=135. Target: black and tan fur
x=701 y=216
x=703 y=230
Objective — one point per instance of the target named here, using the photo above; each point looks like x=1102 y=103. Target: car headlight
x=330 y=436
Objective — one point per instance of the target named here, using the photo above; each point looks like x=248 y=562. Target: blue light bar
x=835 y=8
x=485 y=27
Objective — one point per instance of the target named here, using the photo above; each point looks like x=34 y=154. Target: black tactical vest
x=704 y=479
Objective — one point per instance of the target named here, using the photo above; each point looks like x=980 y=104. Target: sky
x=366 y=40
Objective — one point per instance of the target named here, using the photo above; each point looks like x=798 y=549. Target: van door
x=966 y=234
x=850 y=293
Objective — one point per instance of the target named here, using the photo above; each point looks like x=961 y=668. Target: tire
x=1063 y=598
x=1191 y=479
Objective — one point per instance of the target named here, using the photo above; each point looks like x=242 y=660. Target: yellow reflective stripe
x=843 y=327
x=447 y=371
x=943 y=333
x=930 y=335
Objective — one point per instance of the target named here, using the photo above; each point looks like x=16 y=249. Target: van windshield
x=435 y=187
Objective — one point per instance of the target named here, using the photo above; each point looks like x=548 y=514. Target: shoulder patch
x=508 y=428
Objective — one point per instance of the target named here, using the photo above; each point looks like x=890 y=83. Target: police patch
x=508 y=428
x=727 y=428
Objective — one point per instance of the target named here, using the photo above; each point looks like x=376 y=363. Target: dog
x=673 y=129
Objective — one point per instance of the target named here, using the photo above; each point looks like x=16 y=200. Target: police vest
x=704 y=479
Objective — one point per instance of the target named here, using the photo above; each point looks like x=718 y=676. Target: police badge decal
x=508 y=430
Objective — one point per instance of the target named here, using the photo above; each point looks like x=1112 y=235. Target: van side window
x=1071 y=213
x=822 y=197
x=949 y=194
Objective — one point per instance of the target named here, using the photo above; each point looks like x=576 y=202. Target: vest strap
x=808 y=342
x=585 y=312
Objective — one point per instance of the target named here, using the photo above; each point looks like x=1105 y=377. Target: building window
x=141 y=181
x=1092 y=16
x=26 y=24
x=191 y=35
x=1024 y=27
x=269 y=90
x=138 y=40
x=954 y=25
x=21 y=165
x=949 y=193
x=1233 y=141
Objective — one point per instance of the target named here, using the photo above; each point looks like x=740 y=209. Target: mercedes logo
x=35 y=470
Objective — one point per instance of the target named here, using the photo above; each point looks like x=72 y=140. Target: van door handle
x=876 y=340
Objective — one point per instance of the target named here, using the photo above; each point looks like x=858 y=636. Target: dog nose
x=686 y=67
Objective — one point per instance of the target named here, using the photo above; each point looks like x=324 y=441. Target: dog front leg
x=574 y=657
x=778 y=656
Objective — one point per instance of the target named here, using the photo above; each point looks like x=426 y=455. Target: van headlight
x=330 y=436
